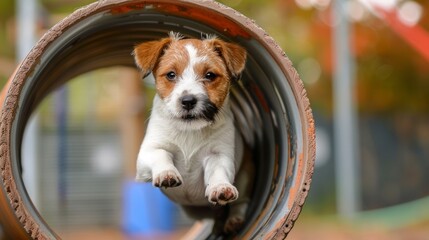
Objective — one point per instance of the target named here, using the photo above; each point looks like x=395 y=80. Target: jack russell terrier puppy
x=191 y=149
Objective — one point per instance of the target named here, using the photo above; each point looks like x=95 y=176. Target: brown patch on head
x=160 y=57
x=147 y=54
x=227 y=61
x=175 y=59
x=233 y=55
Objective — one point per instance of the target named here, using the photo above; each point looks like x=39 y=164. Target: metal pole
x=26 y=12
x=345 y=121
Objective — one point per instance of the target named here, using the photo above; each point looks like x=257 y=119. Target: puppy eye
x=210 y=76
x=171 y=76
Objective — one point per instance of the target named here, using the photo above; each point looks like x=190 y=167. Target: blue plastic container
x=146 y=210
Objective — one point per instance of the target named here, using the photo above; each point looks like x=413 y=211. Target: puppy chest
x=192 y=190
x=189 y=163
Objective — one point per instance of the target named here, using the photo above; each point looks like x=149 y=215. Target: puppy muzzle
x=194 y=108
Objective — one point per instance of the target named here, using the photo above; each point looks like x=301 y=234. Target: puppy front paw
x=222 y=193
x=167 y=178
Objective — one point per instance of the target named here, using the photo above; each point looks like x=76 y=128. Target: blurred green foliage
x=6 y=48
x=390 y=75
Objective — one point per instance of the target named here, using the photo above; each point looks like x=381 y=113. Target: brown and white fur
x=191 y=149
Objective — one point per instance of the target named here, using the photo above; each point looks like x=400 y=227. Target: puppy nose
x=189 y=102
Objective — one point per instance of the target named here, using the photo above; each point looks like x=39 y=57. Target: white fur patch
x=189 y=80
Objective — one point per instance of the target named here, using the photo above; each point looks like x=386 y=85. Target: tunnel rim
x=33 y=223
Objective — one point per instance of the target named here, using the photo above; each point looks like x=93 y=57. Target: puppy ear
x=233 y=55
x=147 y=54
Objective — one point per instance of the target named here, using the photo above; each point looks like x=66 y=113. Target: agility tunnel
x=269 y=103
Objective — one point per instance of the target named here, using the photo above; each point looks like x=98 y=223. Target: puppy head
x=193 y=77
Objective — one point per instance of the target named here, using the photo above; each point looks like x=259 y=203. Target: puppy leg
x=235 y=219
x=244 y=183
x=219 y=174
x=157 y=166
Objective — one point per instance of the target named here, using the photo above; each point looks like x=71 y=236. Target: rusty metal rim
x=292 y=110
